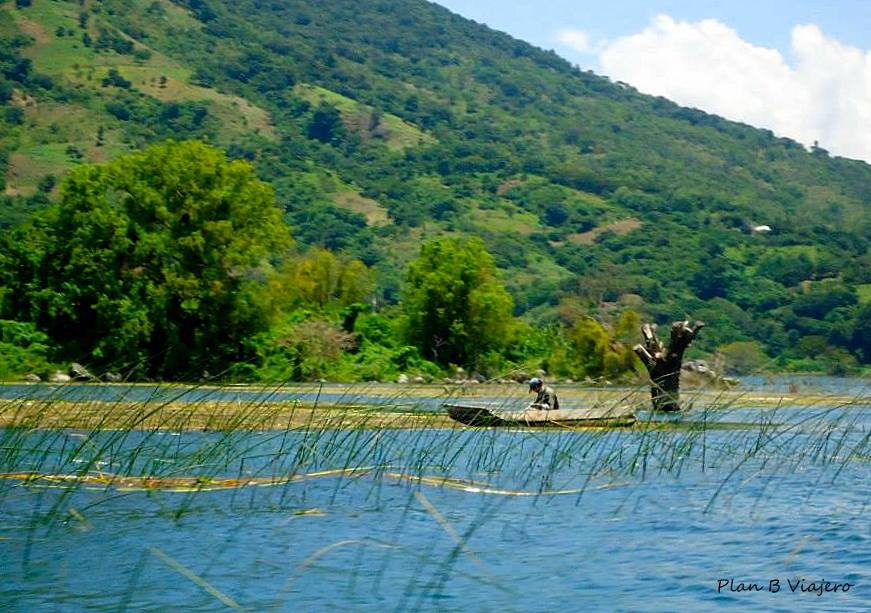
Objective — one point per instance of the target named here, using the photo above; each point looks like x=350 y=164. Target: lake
x=444 y=519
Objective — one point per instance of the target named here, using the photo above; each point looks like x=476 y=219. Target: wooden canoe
x=603 y=417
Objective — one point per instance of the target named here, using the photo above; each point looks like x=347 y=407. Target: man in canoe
x=545 y=397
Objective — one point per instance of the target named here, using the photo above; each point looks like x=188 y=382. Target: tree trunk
x=663 y=365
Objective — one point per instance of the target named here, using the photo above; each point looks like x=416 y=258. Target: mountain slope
x=384 y=123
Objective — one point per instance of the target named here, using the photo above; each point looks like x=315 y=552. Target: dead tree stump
x=663 y=364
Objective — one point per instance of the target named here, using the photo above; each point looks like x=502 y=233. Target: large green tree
x=153 y=262
x=456 y=308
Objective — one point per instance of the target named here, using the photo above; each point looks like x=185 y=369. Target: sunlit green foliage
x=456 y=308
x=589 y=349
x=153 y=262
x=744 y=357
x=23 y=349
x=318 y=277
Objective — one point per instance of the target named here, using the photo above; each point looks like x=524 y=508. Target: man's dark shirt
x=546 y=399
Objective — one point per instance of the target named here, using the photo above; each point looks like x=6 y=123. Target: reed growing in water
x=186 y=441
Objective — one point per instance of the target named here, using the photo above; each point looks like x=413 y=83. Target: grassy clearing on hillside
x=53 y=54
x=539 y=271
x=744 y=253
x=30 y=165
x=792 y=251
x=375 y=214
x=170 y=14
x=166 y=81
x=624 y=226
x=507 y=219
x=52 y=121
x=158 y=76
x=396 y=133
x=59 y=136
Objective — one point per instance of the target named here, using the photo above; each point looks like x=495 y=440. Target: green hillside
x=383 y=123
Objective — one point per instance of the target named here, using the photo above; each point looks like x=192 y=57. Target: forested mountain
x=385 y=122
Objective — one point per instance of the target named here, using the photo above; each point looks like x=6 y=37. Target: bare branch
x=644 y=356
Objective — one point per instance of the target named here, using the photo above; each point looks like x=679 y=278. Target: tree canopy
x=153 y=262
x=456 y=308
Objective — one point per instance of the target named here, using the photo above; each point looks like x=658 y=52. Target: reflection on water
x=365 y=520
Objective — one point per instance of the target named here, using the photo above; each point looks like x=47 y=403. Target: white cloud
x=576 y=39
x=823 y=94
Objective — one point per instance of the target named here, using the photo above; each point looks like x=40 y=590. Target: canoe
x=603 y=417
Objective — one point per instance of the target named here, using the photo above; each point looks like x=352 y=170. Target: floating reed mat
x=204 y=484
x=172 y=484
x=207 y=415
x=186 y=414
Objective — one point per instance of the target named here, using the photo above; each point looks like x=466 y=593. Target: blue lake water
x=614 y=520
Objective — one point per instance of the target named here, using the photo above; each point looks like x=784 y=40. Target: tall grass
x=254 y=439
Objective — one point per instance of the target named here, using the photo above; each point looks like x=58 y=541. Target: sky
x=801 y=68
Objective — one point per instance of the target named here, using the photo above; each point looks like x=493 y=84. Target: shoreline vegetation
x=193 y=272
x=341 y=406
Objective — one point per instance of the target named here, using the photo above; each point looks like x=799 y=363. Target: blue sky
x=801 y=68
